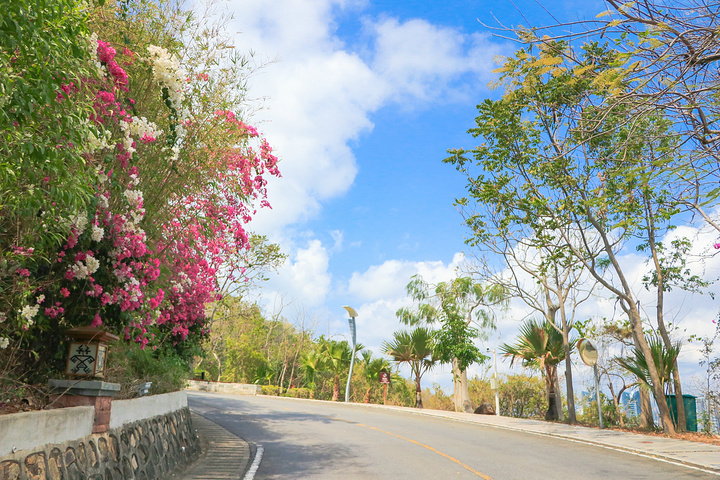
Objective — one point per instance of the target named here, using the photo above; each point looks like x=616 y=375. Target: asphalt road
x=321 y=440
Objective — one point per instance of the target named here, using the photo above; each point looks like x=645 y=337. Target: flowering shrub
x=207 y=234
x=107 y=269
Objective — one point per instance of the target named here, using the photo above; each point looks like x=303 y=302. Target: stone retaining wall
x=234 y=388
x=147 y=449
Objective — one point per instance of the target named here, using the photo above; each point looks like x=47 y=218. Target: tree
x=544 y=276
x=336 y=356
x=543 y=164
x=664 y=360
x=311 y=363
x=455 y=306
x=611 y=335
x=416 y=349
x=709 y=386
x=371 y=371
x=133 y=198
x=668 y=58
x=539 y=345
x=45 y=57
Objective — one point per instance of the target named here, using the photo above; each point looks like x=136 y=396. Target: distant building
x=630 y=400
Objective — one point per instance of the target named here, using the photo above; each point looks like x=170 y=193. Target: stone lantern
x=85 y=365
x=87 y=352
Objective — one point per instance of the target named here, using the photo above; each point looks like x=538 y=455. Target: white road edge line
x=256 y=463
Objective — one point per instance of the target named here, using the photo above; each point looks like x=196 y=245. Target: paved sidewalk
x=226 y=456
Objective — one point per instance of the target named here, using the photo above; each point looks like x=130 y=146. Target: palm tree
x=264 y=374
x=416 y=349
x=540 y=346
x=371 y=370
x=336 y=356
x=664 y=361
x=311 y=363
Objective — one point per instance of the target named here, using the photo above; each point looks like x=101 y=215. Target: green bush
x=297 y=393
x=588 y=404
x=270 y=390
x=130 y=366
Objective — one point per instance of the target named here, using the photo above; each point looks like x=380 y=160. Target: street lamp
x=494 y=384
x=351 y=322
x=589 y=356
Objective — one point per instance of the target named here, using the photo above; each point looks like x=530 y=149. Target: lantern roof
x=93 y=334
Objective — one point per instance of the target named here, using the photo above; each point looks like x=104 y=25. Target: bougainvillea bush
x=169 y=177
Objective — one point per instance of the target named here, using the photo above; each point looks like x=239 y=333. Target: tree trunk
x=418 y=394
x=551 y=413
x=660 y=317
x=616 y=402
x=679 y=401
x=336 y=388
x=461 y=394
x=631 y=308
x=282 y=379
x=367 y=395
x=219 y=366
x=657 y=386
x=646 y=416
x=558 y=398
x=570 y=391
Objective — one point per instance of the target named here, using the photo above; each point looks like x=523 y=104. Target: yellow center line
x=434 y=450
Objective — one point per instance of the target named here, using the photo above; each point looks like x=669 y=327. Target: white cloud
x=388 y=280
x=303 y=279
x=320 y=94
x=420 y=60
x=380 y=292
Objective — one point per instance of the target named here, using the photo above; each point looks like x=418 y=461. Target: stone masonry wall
x=148 y=449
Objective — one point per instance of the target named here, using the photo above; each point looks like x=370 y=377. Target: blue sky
x=361 y=101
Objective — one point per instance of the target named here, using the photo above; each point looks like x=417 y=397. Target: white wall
x=132 y=410
x=21 y=431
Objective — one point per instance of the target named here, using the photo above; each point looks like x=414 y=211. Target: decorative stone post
x=86 y=364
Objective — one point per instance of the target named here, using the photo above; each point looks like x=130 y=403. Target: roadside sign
x=384 y=377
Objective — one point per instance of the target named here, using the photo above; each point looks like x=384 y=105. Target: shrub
x=130 y=365
x=437 y=399
x=270 y=390
x=297 y=393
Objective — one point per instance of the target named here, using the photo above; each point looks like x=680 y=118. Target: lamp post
x=351 y=322
x=494 y=383
x=589 y=356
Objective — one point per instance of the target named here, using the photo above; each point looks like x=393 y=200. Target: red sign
x=384 y=377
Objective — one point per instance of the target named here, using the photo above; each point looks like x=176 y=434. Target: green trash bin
x=690 y=411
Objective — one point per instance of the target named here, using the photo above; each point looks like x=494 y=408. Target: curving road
x=322 y=440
